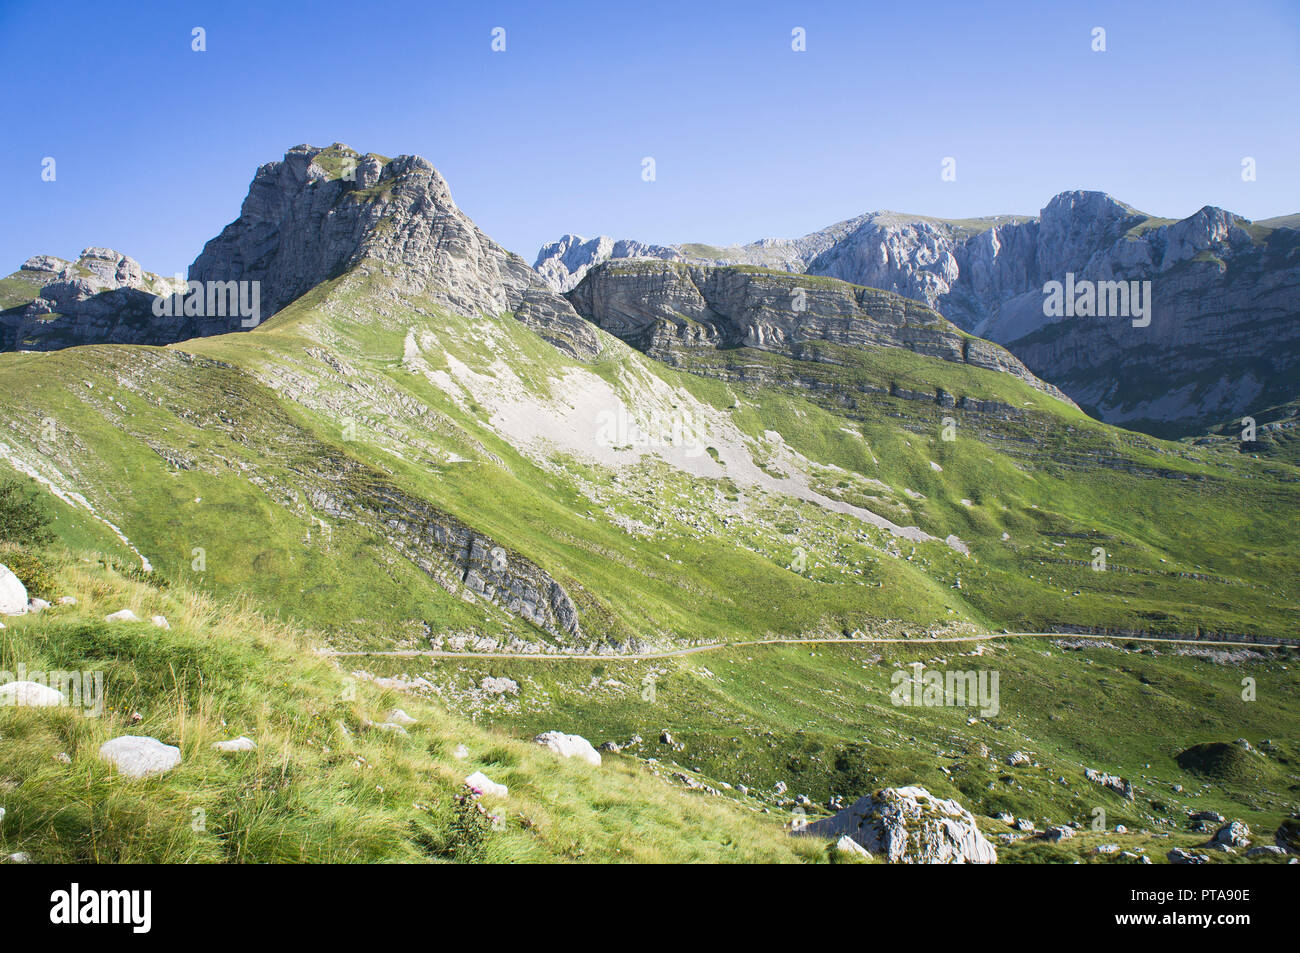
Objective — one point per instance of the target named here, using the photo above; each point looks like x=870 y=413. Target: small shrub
x=23 y=520
x=34 y=568
x=469 y=829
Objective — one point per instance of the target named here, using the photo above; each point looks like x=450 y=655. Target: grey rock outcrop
x=1117 y=784
x=1287 y=835
x=102 y=297
x=1267 y=850
x=320 y=212
x=1234 y=834
x=662 y=308
x=908 y=825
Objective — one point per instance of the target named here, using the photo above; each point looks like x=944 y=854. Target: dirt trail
x=713 y=646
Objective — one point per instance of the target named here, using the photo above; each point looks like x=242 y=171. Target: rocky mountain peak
x=1086 y=203
x=319 y=212
x=563 y=264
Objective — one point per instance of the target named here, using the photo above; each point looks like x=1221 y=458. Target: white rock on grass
x=909 y=826
x=30 y=695
x=236 y=744
x=399 y=717
x=481 y=782
x=1265 y=851
x=160 y=622
x=67 y=601
x=138 y=756
x=848 y=845
x=570 y=746
x=461 y=753
x=13 y=594
x=499 y=686
x=37 y=605
x=122 y=615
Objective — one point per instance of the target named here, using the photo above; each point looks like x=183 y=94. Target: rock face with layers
x=319 y=212
x=664 y=307
x=909 y=826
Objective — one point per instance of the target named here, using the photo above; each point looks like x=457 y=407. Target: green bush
x=36 y=569
x=23 y=520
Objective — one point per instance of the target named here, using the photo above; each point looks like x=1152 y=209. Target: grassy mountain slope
x=819 y=718
x=740 y=495
x=276 y=453
x=321 y=786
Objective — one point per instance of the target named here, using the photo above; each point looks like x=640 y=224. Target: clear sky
x=155 y=144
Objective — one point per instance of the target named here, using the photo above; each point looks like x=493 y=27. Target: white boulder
x=909 y=826
x=399 y=717
x=13 y=594
x=848 y=845
x=160 y=622
x=236 y=744
x=481 y=782
x=570 y=746
x=30 y=695
x=461 y=753
x=137 y=756
x=122 y=615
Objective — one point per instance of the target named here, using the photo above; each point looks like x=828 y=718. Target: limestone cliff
x=660 y=307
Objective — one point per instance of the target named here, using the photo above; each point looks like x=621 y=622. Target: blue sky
x=155 y=144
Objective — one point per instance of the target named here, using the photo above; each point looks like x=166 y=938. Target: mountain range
x=700 y=509
x=1225 y=335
